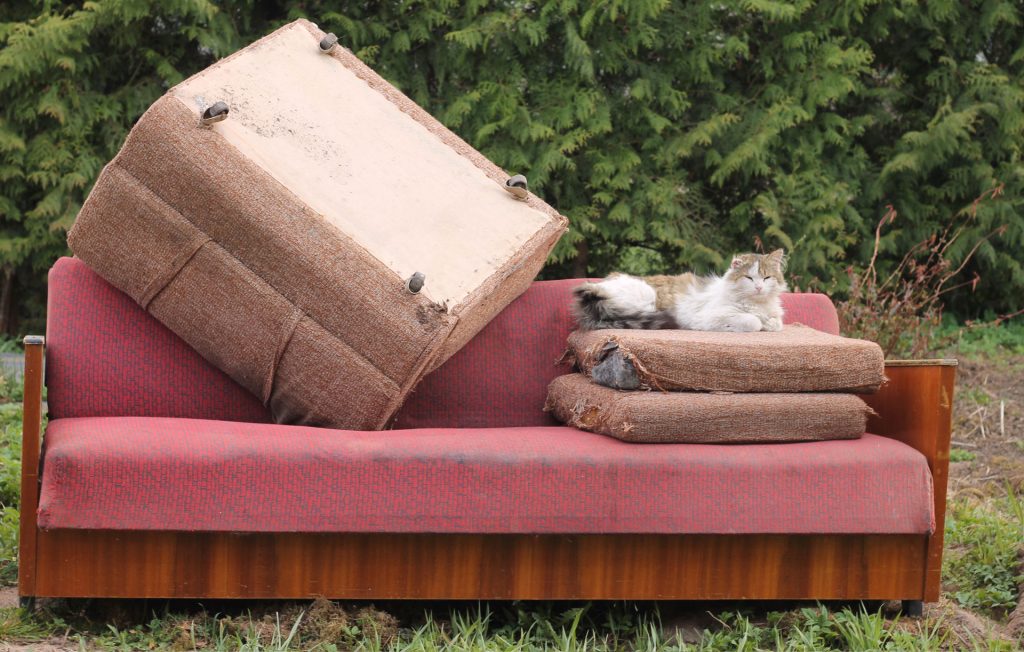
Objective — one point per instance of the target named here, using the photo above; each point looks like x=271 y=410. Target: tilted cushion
x=135 y=473
x=795 y=359
x=278 y=242
x=703 y=417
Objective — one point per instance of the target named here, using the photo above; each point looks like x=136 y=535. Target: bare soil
x=988 y=422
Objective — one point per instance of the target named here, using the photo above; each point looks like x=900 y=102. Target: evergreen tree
x=671 y=133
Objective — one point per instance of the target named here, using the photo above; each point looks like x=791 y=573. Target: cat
x=745 y=299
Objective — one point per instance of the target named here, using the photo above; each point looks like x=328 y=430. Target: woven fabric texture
x=704 y=417
x=810 y=309
x=500 y=378
x=189 y=475
x=105 y=356
x=283 y=301
x=795 y=359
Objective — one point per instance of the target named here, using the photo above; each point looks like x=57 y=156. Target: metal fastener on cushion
x=328 y=42
x=517 y=186
x=415 y=282
x=215 y=113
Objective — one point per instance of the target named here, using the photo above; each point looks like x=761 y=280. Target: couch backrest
x=107 y=357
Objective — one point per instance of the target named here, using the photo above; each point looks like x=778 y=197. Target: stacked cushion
x=795 y=359
x=797 y=384
x=704 y=418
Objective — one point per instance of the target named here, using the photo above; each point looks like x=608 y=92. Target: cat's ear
x=737 y=262
x=779 y=257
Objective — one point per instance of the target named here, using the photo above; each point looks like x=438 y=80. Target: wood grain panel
x=399 y=566
x=30 y=439
x=916 y=407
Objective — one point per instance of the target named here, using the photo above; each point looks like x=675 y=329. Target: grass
x=10 y=489
x=981 y=566
x=10 y=344
x=983 y=541
x=984 y=339
x=620 y=627
x=960 y=455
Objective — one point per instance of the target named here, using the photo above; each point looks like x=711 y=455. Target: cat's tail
x=597 y=308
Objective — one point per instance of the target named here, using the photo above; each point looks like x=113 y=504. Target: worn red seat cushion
x=131 y=473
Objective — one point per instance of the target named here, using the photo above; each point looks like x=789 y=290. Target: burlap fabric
x=795 y=359
x=191 y=223
x=702 y=417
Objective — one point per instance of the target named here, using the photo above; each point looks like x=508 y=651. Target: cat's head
x=758 y=276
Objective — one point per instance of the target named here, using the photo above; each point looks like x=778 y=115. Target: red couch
x=152 y=456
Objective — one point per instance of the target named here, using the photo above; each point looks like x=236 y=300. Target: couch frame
x=915 y=407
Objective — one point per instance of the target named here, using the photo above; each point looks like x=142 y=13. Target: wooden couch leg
x=912 y=608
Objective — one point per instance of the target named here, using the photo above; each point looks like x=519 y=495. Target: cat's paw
x=743 y=323
x=772 y=324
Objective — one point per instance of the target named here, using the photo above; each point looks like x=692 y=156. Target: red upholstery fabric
x=811 y=309
x=178 y=474
x=107 y=357
x=501 y=377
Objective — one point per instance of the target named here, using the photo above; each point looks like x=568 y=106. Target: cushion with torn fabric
x=705 y=417
x=795 y=359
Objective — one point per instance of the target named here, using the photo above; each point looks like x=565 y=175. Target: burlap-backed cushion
x=279 y=241
x=704 y=417
x=795 y=359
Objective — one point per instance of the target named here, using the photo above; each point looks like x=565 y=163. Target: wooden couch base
x=90 y=563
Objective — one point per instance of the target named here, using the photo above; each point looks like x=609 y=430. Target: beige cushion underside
x=351 y=155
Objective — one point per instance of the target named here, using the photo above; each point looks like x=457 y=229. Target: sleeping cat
x=745 y=299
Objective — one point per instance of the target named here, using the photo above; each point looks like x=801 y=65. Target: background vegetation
x=672 y=133
x=879 y=141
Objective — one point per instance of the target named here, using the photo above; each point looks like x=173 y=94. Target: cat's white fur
x=744 y=300
x=749 y=304
x=629 y=294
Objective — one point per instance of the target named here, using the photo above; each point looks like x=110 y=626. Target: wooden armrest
x=30 y=441
x=915 y=406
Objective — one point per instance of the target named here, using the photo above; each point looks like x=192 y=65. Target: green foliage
x=73 y=79
x=981 y=561
x=10 y=454
x=671 y=133
x=10 y=490
x=534 y=629
x=960 y=455
x=674 y=133
x=18 y=625
x=985 y=340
